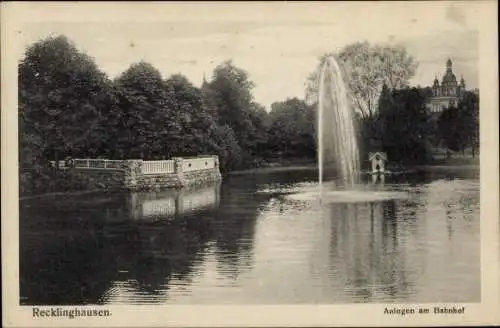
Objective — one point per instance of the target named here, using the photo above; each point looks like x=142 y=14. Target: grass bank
x=455 y=162
x=278 y=165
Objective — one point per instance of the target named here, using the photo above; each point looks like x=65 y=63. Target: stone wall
x=157 y=181
x=198 y=164
x=201 y=177
x=130 y=176
x=104 y=179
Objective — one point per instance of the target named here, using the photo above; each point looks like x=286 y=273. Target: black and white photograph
x=256 y=154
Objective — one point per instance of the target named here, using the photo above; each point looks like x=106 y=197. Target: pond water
x=254 y=240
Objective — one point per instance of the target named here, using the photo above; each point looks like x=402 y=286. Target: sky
x=276 y=43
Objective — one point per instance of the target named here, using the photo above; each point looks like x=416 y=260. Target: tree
x=370 y=129
x=63 y=99
x=469 y=108
x=194 y=124
x=229 y=94
x=198 y=131
x=366 y=68
x=226 y=146
x=259 y=117
x=450 y=130
x=292 y=129
x=144 y=111
x=404 y=127
x=459 y=126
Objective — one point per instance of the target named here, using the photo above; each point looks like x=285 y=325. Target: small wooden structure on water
x=378 y=161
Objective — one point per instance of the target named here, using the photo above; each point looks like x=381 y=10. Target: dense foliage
x=367 y=68
x=69 y=108
x=63 y=98
x=292 y=129
x=458 y=127
x=404 y=125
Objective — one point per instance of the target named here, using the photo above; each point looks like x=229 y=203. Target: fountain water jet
x=338 y=148
x=336 y=135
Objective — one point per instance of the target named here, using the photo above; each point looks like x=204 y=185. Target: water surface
x=246 y=241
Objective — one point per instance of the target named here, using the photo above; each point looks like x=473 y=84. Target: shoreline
x=62 y=193
x=278 y=168
x=401 y=170
x=271 y=169
x=449 y=166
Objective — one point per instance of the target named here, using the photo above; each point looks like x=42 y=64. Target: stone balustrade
x=136 y=174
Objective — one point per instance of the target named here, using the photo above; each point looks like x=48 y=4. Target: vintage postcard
x=254 y=164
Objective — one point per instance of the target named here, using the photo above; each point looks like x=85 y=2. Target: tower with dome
x=448 y=93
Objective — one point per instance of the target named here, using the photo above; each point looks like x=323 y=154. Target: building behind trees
x=448 y=93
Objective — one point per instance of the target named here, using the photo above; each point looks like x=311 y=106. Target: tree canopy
x=366 y=69
x=404 y=127
x=68 y=107
x=292 y=128
x=459 y=125
x=229 y=93
x=63 y=96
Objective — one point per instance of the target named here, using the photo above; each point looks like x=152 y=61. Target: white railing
x=148 y=167
x=97 y=164
x=90 y=164
x=62 y=164
x=158 y=167
x=197 y=164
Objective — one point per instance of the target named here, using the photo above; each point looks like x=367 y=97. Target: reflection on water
x=170 y=203
x=235 y=243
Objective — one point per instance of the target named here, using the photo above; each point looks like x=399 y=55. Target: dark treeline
x=69 y=108
x=410 y=133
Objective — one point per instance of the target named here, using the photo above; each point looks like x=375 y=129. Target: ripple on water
x=327 y=194
x=347 y=196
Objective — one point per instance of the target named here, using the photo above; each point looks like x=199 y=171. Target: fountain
x=338 y=154
x=336 y=135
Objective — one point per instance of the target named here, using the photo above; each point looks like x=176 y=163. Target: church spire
x=204 y=81
x=449 y=65
x=462 y=82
